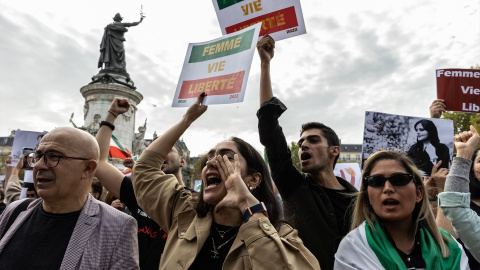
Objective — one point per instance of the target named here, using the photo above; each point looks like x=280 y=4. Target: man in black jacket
x=317 y=201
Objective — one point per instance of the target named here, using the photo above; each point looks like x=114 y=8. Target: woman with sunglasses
x=234 y=224
x=393 y=225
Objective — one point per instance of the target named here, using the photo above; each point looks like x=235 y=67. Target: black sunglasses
x=398 y=180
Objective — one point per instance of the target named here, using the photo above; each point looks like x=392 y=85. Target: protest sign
x=460 y=88
x=24 y=139
x=280 y=19
x=197 y=185
x=350 y=172
x=219 y=68
x=425 y=140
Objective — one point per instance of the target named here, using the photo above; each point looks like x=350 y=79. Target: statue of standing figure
x=112 y=51
x=140 y=144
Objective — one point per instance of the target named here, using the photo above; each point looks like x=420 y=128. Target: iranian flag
x=117 y=150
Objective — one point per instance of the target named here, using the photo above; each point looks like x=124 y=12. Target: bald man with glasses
x=66 y=228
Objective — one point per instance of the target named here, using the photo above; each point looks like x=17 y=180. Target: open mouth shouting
x=213 y=180
x=305 y=157
x=390 y=203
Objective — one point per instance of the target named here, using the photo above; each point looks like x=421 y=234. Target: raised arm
x=159 y=194
x=13 y=189
x=110 y=177
x=164 y=143
x=455 y=200
x=8 y=171
x=270 y=132
x=266 y=50
x=134 y=23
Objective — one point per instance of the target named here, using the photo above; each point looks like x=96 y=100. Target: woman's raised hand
x=238 y=196
x=466 y=142
x=196 y=109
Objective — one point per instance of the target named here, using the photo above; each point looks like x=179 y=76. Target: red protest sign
x=219 y=85
x=460 y=88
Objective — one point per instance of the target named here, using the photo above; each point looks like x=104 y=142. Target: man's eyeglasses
x=398 y=180
x=51 y=159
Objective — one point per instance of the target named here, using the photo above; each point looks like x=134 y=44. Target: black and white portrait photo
x=426 y=141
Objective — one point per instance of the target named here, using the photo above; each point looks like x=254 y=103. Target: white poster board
x=350 y=172
x=219 y=68
x=280 y=19
x=425 y=140
x=24 y=139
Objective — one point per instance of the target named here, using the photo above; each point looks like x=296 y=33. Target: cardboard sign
x=350 y=172
x=24 y=139
x=280 y=19
x=425 y=140
x=460 y=88
x=218 y=67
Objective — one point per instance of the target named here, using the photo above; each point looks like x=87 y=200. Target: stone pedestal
x=98 y=97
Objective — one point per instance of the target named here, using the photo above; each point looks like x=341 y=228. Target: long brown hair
x=422 y=213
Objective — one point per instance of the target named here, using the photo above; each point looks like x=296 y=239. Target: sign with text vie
x=218 y=67
x=460 y=88
x=280 y=19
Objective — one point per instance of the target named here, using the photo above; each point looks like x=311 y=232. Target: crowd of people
x=247 y=214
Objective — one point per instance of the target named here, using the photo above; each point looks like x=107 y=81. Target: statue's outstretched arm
x=134 y=23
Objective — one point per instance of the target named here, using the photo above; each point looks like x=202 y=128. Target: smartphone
x=26 y=151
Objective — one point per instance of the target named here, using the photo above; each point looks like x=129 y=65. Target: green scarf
x=431 y=253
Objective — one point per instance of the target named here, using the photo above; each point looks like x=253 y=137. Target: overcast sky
x=356 y=56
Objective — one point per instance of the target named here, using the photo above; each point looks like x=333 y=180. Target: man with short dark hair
x=97 y=189
x=317 y=201
x=31 y=193
x=66 y=228
x=174 y=162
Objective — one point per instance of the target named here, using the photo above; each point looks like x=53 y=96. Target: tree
x=196 y=169
x=462 y=120
x=295 y=159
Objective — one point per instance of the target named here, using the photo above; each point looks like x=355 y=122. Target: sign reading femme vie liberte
x=460 y=88
x=218 y=67
x=280 y=19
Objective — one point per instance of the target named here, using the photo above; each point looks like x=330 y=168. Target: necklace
x=222 y=233
x=215 y=249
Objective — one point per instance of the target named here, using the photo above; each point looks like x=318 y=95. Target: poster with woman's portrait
x=427 y=141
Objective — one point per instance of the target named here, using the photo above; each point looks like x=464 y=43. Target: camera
x=26 y=151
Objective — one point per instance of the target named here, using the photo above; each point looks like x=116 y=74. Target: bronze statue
x=112 y=52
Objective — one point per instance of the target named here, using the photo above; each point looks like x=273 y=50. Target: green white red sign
x=280 y=19
x=219 y=68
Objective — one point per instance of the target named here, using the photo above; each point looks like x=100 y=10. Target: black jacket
x=314 y=214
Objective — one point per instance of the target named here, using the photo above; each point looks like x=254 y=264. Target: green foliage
x=196 y=170
x=2 y=164
x=296 y=160
x=462 y=120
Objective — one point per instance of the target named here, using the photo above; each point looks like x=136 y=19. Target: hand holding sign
x=266 y=48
